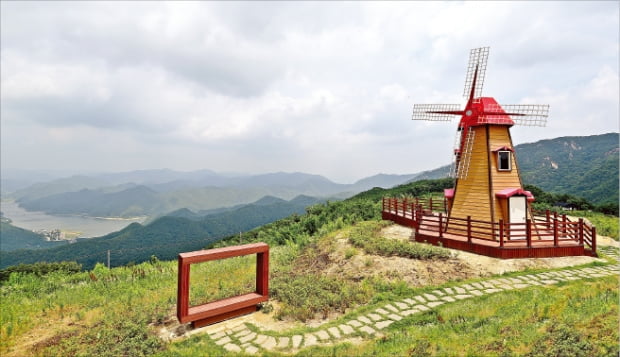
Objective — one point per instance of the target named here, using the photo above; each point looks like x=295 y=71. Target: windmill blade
x=435 y=112
x=527 y=114
x=476 y=70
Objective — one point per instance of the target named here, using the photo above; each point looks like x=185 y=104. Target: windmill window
x=504 y=161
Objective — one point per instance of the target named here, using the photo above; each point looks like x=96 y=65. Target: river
x=87 y=227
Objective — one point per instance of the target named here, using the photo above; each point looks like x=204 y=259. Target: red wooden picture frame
x=215 y=311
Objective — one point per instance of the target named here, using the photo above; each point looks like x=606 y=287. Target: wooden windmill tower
x=488 y=186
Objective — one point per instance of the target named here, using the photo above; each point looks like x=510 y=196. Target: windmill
x=488 y=186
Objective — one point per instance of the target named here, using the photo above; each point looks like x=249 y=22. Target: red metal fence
x=428 y=217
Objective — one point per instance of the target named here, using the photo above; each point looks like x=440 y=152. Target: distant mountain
x=585 y=166
x=165 y=237
x=134 y=201
x=381 y=180
x=57 y=186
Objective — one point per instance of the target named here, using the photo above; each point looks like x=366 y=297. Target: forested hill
x=585 y=166
x=165 y=237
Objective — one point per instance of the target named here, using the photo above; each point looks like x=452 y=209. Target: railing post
x=580 y=231
x=501 y=233
x=528 y=232
x=593 y=239
x=548 y=216
x=469 y=229
x=440 y=225
x=555 y=232
x=430 y=203
x=564 y=225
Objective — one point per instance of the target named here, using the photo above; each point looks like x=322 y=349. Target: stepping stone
x=420 y=299
x=506 y=287
x=491 y=291
x=476 y=292
x=322 y=335
x=383 y=324
x=532 y=277
x=217 y=335
x=486 y=284
x=534 y=282
x=296 y=339
x=232 y=348
x=242 y=333
x=334 y=332
x=477 y=285
x=223 y=340
x=516 y=280
x=421 y=307
x=448 y=291
x=375 y=317
x=251 y=349
x=355 y=323
x=390 y=307
x=521 y=286
x=270 y=343
x=367 y=329
x=437 y=292
x=248 y=338
x=310 y=340
x=430 y=297
x=435 y=303
x=401 y=306
x=448 y=299
x=260 y=339
x=238 y=328
x=283 y=342
x=381 y=311
x=346 y=329
x=364 y=319
x=459 y=290
x=408 y=312
x=395 y=317
x=409 y=301
x=463 y=296
x=468 y=287
x=549 y=282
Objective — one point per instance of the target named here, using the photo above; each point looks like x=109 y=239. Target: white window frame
x=499 y=160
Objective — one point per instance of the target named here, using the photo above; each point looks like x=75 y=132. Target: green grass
x=366 y=235
x=606 y=225
x=571 y=319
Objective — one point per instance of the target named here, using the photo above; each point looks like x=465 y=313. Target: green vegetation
x=165 y=237
x=13 y=238
x=365 y=235
x=585 y=166
x=40 y=269
x=119 y=311
x=573 y=319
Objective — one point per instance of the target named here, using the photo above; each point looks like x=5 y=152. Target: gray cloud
x=261 y=86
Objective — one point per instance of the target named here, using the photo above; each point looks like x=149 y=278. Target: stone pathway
x=241 y=338
x=610 y=251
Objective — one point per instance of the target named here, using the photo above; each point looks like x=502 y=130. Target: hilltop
x=330 y=267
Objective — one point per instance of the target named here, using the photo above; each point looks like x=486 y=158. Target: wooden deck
x=548 y=235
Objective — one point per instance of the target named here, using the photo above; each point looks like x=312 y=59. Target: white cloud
x=260 y=86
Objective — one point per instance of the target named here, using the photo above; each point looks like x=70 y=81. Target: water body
x=87 y=226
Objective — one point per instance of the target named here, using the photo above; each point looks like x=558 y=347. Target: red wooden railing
x=429 y=216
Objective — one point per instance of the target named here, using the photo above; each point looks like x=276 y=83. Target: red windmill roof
x=484 y=110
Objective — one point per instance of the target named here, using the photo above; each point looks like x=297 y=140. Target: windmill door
x=517 y=209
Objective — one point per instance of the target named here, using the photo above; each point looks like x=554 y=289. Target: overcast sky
x=324 y=88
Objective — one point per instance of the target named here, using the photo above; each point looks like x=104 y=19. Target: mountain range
x=582 y=166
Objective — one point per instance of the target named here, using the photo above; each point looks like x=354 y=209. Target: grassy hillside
x=120 y=311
